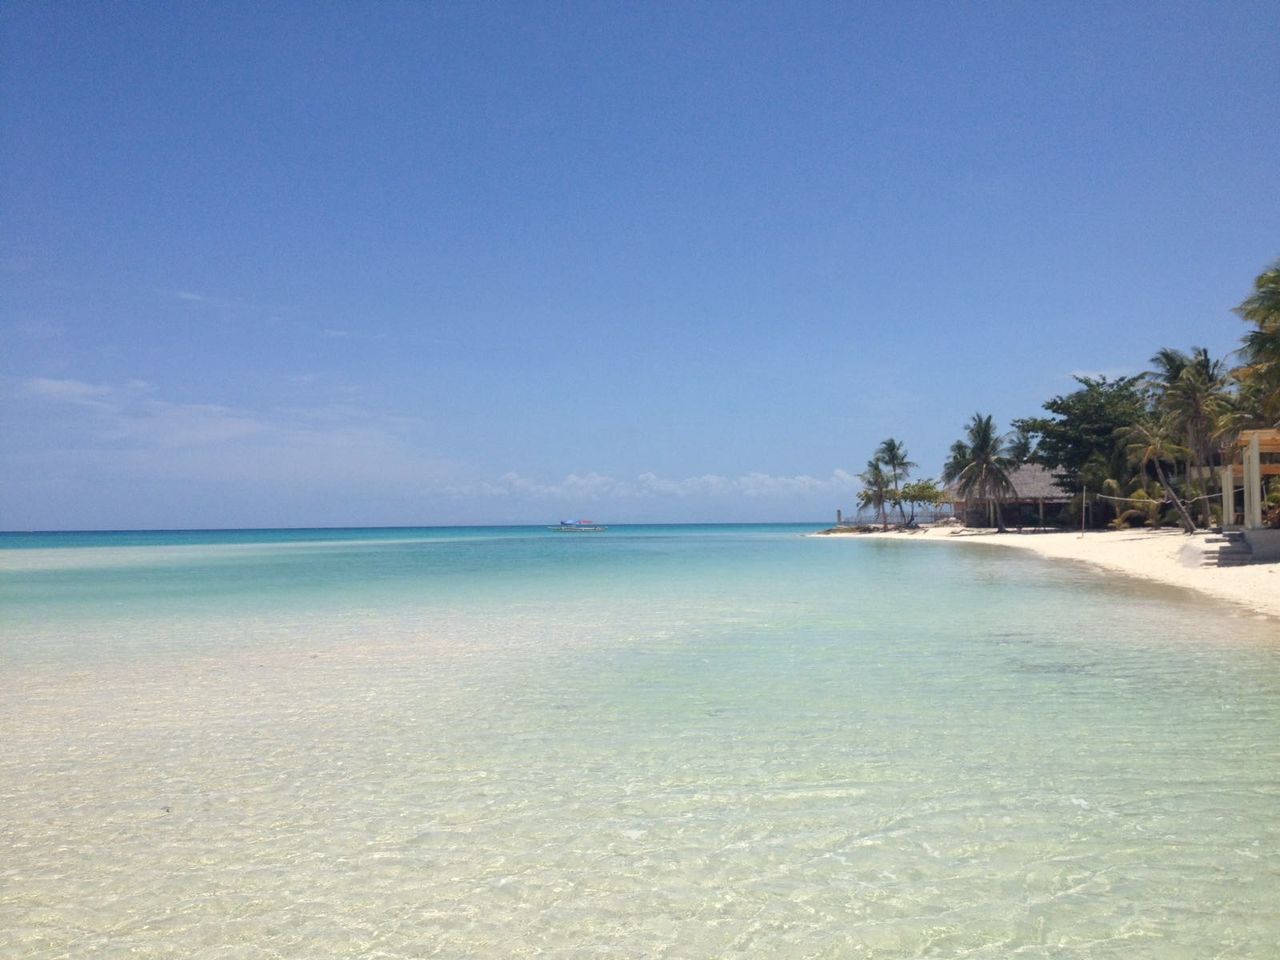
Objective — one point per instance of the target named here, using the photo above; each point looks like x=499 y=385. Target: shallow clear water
x=683 y=742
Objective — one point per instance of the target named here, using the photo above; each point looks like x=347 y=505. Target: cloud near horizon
x=596 y=486
x=111 y=438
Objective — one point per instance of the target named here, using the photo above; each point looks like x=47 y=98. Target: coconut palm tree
x=957 y=457
x=892 y=454
x=979 y=465
x=1150 y=442
x=1191 y=392
x=1197 y=402
x=1262 y=307
x=1022 y=445
x=1260 y=376
x=1169 y=364
x=875 y=491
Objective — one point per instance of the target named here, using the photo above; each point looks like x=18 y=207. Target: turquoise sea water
x=686 y=742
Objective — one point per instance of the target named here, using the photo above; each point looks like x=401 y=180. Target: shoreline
x=1168 y=557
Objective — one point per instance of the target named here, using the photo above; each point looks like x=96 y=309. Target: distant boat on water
x=578 y=526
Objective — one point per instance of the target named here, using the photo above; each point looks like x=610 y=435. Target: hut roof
x=1034 y=482
x=1030 y=482
x=1268 y=440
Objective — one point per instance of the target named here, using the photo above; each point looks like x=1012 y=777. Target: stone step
x=1230 y=549
x=1229 y=560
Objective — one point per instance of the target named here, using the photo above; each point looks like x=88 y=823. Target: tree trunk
x=1188 y=525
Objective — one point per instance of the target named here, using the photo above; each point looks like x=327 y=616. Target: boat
x=578 y=526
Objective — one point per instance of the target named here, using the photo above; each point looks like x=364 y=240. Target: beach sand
x=1164 y=556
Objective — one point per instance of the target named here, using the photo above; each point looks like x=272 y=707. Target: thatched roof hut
x=1035 y=490
x=1033 y=482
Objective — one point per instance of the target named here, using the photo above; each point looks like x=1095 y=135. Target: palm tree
x=1169 y=364
x=957 y=457
x=1197 y=402
x=892 y=454
x=1191 y=391
x=1150 y=442
x=1022 y=445
x=875 y=491
x=979 y=465
x=1262 y=307
x=1260 y=377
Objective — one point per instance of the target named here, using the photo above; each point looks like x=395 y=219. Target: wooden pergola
x=1248 y=466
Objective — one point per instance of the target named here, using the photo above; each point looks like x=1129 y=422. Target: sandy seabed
x=1164 y=556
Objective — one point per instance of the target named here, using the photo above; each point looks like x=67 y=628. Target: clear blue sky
x=413 y=263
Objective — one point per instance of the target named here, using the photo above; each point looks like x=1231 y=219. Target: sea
x=650 y=742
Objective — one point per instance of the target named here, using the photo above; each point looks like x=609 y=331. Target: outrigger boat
x=578 y=526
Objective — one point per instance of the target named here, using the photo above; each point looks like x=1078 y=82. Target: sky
x=393 y=263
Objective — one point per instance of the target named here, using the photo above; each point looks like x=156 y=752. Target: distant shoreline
x=1161 y=556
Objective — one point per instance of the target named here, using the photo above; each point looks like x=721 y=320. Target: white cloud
x=591 y=486
x=165 y=424
x=104 y=441
x=595 y=487
x=70 y=391
x=126 y=428
x=764 y=485
x=126 y=413
x=650 y=484
x=228 y=306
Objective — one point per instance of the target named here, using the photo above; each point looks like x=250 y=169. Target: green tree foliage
x=1022 y=445
x=892 y=455
x=876 y=491
x=980 y=464
x=1190 y=392
x=1142 y=509
x=1137 y=442
x=920 y=493
x=1259 y=378
x=1151 y=443
x=957 y=459
x=1080 y=442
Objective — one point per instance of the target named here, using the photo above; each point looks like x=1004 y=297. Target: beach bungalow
x=1251 y=463
x=1036 y=501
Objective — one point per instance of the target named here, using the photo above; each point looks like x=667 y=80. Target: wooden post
x=1253 y=484
x=1227 y=477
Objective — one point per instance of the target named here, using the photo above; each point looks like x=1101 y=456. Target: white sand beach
x=1164 y=556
